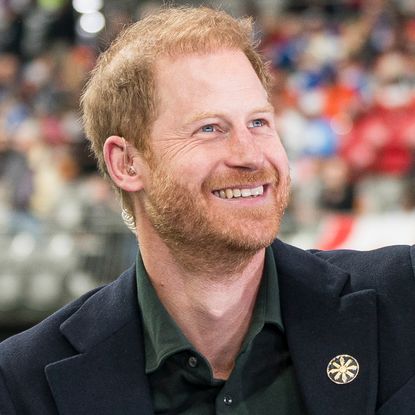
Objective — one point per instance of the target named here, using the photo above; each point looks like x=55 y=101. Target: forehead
x=201 y=80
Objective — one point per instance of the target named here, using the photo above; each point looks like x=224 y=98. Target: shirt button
x=192 y=361
x=227 y=399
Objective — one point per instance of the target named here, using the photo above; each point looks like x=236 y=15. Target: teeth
x=229 y=193
x=256 y=191
x=235 y=193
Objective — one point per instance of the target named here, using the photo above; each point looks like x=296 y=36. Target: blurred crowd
x=344 y=94
x=47 y=177
x=61 y=233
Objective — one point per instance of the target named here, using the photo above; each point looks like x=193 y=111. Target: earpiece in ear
x=131 y=171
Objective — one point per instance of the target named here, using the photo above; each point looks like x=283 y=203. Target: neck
x=213 y=304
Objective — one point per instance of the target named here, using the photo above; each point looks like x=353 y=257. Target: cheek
x=283 y=163
x=190 y=172
x=277 y=156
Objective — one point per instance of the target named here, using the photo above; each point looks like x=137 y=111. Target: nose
x=244 y=151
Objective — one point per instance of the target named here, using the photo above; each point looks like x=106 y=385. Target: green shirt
x=181 y=380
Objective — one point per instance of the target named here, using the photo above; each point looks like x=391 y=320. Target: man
x=214 y=318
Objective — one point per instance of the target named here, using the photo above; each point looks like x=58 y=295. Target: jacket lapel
x=322 y=322
x=107 y=375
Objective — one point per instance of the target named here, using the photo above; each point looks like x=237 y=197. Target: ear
x=124 y=164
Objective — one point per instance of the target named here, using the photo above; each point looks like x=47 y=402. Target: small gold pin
x=342 y=369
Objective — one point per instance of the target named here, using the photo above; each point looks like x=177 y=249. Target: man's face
x=219 y=175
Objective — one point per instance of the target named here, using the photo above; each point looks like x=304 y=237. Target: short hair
x=120 y=97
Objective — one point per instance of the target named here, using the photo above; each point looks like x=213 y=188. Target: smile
x=235 y=192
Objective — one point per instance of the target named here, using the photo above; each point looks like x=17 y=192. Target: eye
x=257 y=123
x=210 y=128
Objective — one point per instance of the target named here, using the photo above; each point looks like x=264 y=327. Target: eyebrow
x=204 y=114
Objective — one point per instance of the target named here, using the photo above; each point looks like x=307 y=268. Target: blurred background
x=344 y=94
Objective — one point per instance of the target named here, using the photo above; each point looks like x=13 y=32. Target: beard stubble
x=202 y=236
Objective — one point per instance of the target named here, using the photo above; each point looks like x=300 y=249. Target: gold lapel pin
x=342 y=369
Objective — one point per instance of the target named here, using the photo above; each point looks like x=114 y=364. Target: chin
x=251 y=239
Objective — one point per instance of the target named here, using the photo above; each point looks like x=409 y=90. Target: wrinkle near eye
x=175 y=146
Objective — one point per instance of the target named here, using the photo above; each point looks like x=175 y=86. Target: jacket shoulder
x=387 y=268
x=23 y=358
x=75 y=328
x=384 y=268
x=40 y=336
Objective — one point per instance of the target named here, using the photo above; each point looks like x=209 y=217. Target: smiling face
x=219 y=176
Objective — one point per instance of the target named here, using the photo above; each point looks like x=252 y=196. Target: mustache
x=242 y=178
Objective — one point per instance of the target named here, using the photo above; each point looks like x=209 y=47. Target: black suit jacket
x=88 y=357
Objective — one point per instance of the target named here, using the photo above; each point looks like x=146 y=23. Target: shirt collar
x=267 y=308
x=272 y=294
x=162 y=336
